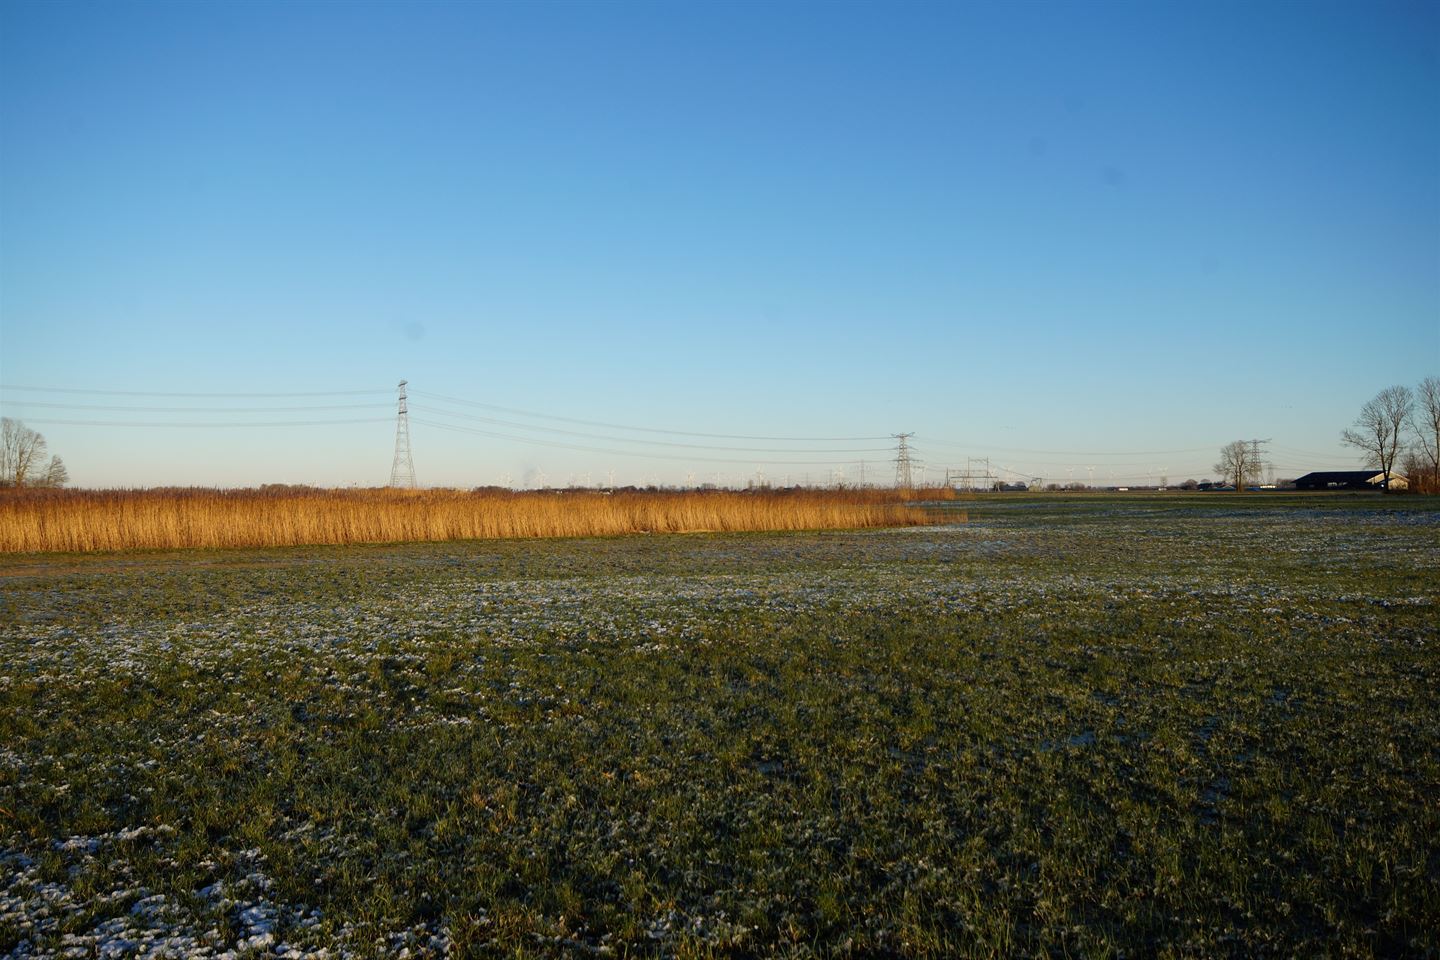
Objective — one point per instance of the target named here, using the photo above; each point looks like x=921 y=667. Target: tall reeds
x=89 y=520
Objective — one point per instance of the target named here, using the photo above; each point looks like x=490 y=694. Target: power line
x=231 y=423
x=1310 y=453
x=1021 y=449
x=769 y=455
x=622 y=453
x=621 y=426
x=128 y=409
x=433 y=410
x=523 y=413
x=46 y=421
x=1080 y=463
x=658 y=443
x=151 y=393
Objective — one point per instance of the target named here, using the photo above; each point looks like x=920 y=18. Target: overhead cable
x=1066 y=453
x=153 y=393
x=656 y=443
x=621 y=426
x=625 y=453
x=1282 y=448
x=233 y=423
x=128 y=409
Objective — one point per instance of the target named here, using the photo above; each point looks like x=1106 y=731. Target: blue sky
x=1080 y=239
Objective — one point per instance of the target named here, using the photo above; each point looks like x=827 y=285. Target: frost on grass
x=1115 y=730
x=52 y=918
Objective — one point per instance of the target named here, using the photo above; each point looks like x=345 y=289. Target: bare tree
x=56 y=476
x=21 y=450
x=22 y=455
x=1425 y=421
x=1416 y=469
x=1378 y=428
x=1237 y=463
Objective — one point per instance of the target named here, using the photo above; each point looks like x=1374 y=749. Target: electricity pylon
x=903 y=479
x=402 y=471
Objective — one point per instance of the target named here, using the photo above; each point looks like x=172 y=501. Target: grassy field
x=1152 y=726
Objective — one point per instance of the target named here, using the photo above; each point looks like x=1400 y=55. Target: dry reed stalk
x=90 y=520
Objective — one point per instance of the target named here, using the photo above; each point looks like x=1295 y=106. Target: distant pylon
x=402 y=471
x=903 y=480
x=1255 y=474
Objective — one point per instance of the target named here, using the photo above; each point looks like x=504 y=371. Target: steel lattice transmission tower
x=402 y=471
x=903 y=479
x=1256 y=473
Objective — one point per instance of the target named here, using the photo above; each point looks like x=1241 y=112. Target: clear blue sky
x=1125 y=232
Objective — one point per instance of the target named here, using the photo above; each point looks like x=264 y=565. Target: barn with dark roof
x=1349 y=480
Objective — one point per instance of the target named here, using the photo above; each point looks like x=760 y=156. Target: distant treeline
x=276 y=516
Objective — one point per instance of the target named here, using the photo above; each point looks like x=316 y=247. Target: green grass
x=1181 y=726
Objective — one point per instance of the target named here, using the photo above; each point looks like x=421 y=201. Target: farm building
x=1349 y=480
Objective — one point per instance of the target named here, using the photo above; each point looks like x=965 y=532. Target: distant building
x=1349 y=480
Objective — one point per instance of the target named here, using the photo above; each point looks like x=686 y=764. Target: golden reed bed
x=86 y=520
